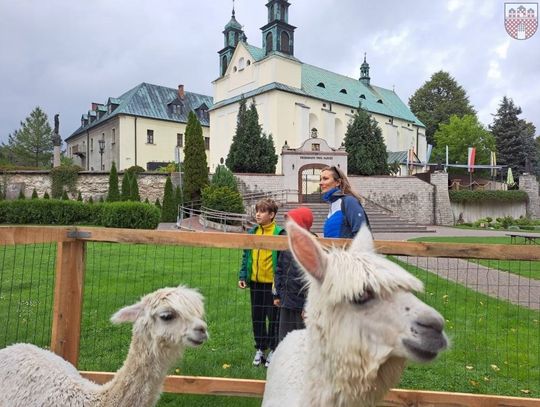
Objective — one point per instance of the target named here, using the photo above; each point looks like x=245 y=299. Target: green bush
x=468 y=196
x=223 y=177
x=131 y=215
x=222 y=199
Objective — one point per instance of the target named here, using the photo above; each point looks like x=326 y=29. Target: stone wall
x=90 y=184
x=471 y=212
x=529 y=184
x=408 y=197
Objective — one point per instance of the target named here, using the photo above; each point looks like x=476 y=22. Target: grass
x=495 y=345
x=528 y=269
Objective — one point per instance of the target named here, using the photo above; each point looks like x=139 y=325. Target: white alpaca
x=165 y=322
x=362 y=324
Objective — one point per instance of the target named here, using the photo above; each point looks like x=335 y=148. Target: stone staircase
x=381 y=221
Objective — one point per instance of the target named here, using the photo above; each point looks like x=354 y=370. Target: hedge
x=133 y=215
x=468 y=196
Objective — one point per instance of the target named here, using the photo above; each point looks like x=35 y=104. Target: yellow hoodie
x=262 y=269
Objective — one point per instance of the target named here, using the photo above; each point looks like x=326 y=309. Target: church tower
x=232 y=33
x=278 y=34
x=364 y=72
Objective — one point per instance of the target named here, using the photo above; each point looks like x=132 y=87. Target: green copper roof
x=332 y=87
x=233 y=24
x=151 y=101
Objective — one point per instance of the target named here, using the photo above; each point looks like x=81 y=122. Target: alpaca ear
x=363 y=241
x=127 y=314
x=306 y=250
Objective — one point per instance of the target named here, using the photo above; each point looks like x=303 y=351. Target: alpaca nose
x=431 y=323
x=201 y=330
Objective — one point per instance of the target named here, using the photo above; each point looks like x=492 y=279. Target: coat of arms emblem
x=521 y=19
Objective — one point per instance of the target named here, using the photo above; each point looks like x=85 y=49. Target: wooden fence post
x=68 y=297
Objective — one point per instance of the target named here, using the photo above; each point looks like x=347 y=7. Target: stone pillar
x=442 y=209
x=529 y=184
x=56 y=156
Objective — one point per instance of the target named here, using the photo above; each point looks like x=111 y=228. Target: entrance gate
x=308 y=183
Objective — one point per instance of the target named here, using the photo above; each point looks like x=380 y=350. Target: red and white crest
x=521 y=19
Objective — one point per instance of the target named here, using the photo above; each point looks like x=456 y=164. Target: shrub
x=114 y=193
x=169 y=210
x=64 y=177
x=21 y=195
x=126 y=187
x=223 y=177
x=46 y=195
x=132 y=215
x=468 y=196
x=222 y=199
x=45 y=212
x=34 y=194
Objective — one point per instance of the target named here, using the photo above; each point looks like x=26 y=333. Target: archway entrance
x=309 y=190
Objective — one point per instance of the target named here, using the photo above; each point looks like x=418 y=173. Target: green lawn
x=529 y=269
x=495 y=345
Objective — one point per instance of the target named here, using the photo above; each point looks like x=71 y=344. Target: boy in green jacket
x=258 y=267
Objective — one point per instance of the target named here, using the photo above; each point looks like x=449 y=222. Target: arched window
x=380 y=101
x=362 y=96
x=269 y=45
x=343 y=91
x=321 y=85
x=241 y=63
x=285 y=48
x=223 y=65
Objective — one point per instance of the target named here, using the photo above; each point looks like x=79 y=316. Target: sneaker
x=269 y=358
x=259 y=357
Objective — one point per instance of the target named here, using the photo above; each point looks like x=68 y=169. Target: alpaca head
x=362 y=306
x=169 y=317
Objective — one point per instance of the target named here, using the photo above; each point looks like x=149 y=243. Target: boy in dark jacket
x=257 y=271
x=290 y=287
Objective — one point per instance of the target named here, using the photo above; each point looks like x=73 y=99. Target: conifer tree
x=513 y=137
x=251 y=150
x=223 y=177
x=114 y=193
x=438 y=99
x=46 y=195
x=178 y=198
x=134 y=189
x=126 y=186
x=90 y=200
x=195 y=164
x=79 y=197
x=21 y=195
x=169 y=210
x=32 y=145
x=158 y=204
x=365 y=145
x=65 y=196
x=34 y=194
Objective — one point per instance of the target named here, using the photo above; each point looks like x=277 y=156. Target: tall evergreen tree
x=134 y=188
x=251 y=150
x=169 y=210
x=438 y=99
x=512 y=135
x=126 y=186
x=195 y=164
x=365 y=145
x=114 y=193
x=32 y=144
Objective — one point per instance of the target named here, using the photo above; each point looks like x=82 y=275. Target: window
x=91 y=144
x=285 y=47
x=269 y=45
x=150 y=136
x=241 y=63
x=207 y=143
x=321 y=85
x=113 y=136
x=379 y=101
x=343 y=91
x=224 y=64
x=362 y=96
x=179 y=140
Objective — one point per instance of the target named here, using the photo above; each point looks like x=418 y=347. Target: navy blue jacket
x=346 y=215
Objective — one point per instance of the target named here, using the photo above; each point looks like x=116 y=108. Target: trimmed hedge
x=468 y=196
x=222 y=199
x=133 y=215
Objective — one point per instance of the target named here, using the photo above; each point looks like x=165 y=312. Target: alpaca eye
x=167 y=316
x=365 y=297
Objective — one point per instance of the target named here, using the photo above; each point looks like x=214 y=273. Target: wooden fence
x=69 y=286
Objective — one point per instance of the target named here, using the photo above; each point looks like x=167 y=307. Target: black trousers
x=264 y=316
x=289 y=320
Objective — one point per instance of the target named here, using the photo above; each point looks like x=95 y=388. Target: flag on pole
x=493 y=163
x=428 y=153
x=470 y=163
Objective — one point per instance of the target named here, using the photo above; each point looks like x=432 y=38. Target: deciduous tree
x=438 y=99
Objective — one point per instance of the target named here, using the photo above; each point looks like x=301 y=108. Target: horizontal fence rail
x=59 y=286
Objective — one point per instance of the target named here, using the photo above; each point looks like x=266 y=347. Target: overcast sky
x=62 y=55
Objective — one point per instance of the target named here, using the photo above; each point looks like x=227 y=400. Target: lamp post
x=101 y=151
